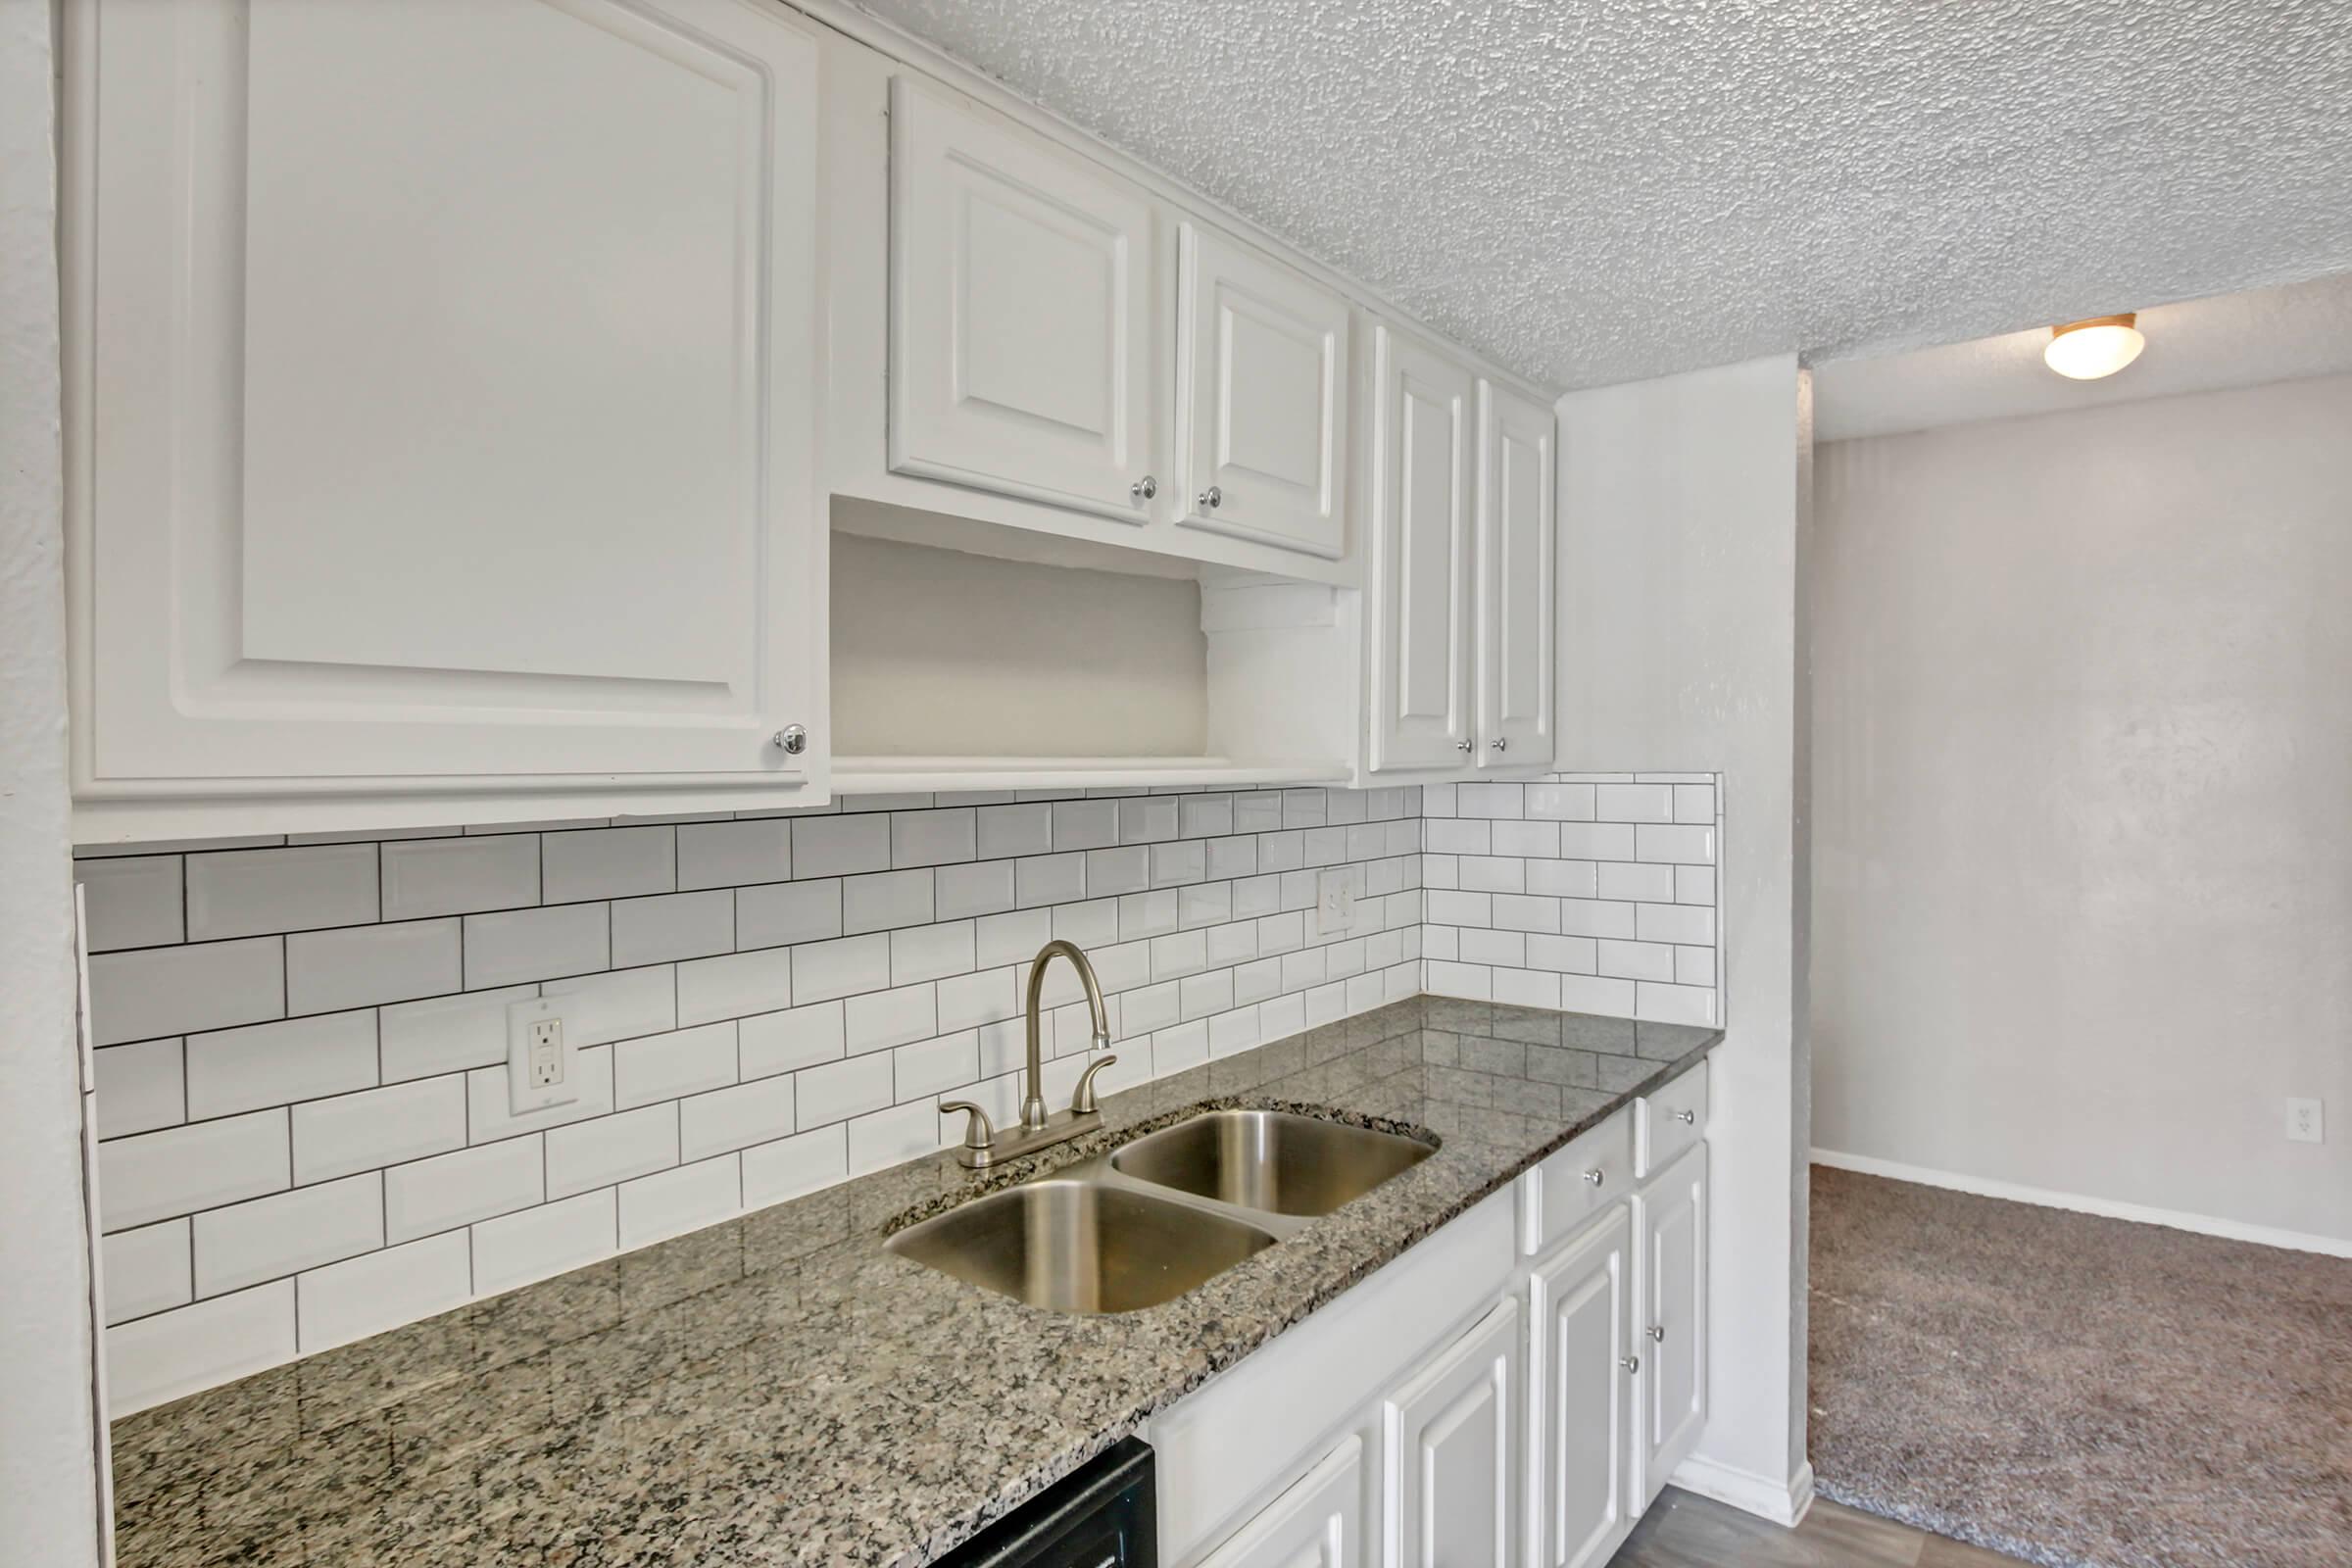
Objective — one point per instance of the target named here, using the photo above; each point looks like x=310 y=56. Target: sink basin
x=1080 y=1246
x=1269 y=1160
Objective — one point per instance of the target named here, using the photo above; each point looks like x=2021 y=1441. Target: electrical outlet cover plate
x=541 y=1071
x=2305 y=1123
x=1335 y=900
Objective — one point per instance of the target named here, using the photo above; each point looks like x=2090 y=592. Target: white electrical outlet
x=1335 y=900
x=2305 y=1122
x=542 y=1069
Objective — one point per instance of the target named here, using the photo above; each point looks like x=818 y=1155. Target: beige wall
x=2084 y=773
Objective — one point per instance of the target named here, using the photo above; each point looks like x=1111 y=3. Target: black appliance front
x=1099 y=1516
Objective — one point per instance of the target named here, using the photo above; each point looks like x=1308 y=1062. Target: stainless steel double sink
x=1159 y=1216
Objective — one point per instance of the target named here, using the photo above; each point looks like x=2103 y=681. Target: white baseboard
x=1784 y=1503
x=2140 y=1214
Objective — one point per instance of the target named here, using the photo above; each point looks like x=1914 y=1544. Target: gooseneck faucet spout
x=1033 y=1096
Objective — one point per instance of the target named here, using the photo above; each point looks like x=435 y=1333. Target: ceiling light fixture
x=2085 y=350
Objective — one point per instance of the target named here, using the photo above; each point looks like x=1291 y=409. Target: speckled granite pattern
x=781 y=1391
x=2079 y=1392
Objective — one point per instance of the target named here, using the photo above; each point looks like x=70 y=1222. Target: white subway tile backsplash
x=378 y=1127
x=147 y=1270
x=1686 y=845
x=131 y=901
x=726 y=855
x=140 y=1088
x=447 y=1034
x=663 y=1068
x=153 y=992
x=847 y=1001
x=735 y=984
x=725 y=1119
x=367 y=1295
x=655 y=1207
x=278 y=1063
x=172 y=1354
x=608 y=862
x=612 y=1148
x=269 y=1237
x=841 y=846
x=181 y=1170
x=243 y=892
x=839 y=1090
x=451 y=1191
x=672 y=925
x=885 y=901
x=427 y=877
x=791 y=1166
x=1673 y=1003
x=771 y=1042
x=824 y=970
x=357 y=967
x=532 y=1245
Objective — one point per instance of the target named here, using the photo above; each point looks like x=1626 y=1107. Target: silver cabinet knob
x=1464 y=747
x=1685 y=1117
x=1657 y=1334
x=1144 y=489
x=1502 y=745
x=792 y=740
x=1596 y=1176
x=1213 y=498
x=1632 y=1363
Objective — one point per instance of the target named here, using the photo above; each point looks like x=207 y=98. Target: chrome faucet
x=983 y=1146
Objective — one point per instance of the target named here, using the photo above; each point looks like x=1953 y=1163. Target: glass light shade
x=2085 y=350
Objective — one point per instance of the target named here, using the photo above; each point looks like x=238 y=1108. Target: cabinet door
x=1579 y=1446
x=1022 y=293
x=1515 y=480
x=1421 y=556
x=1671 y=1213
x=1453 y=1454
x=1317 y=1523
x=444 y=394
x=1261 y=398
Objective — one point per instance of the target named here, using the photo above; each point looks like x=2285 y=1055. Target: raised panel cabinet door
x=1671 y=1327
x=1261 y=398
x=1515 y=628
x=1580 y=1442
x=443 y=394
x=1316 y=1523
x=1021 y=295
x=1453 y=1460
x=1421 y=556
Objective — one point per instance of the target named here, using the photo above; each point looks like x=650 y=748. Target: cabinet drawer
x=1669 y=1121
x=1593 y=1171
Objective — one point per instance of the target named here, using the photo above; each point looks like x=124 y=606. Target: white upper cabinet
x=1023 y=292
x=1515 y=625
x=441 y=391
x=1420 y=595
x=1453 y=1447
x=1261 y=398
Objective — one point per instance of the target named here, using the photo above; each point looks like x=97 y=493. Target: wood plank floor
x=1685 y=1530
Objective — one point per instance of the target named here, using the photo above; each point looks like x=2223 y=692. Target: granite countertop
x=780 y=1390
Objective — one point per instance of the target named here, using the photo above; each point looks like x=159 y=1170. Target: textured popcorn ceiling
x=1596 y=190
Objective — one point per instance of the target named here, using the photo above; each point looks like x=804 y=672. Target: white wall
x=2084 y=757
x=1681 y=520
x=49 y=1500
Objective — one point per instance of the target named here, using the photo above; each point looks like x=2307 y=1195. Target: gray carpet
x=2079 y=1392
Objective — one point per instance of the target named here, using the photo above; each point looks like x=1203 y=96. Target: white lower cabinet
x=1450 y=1440
x=1671 y=1219
x=1529 y=1376
x=1318 y=1523
x=1581 y=1411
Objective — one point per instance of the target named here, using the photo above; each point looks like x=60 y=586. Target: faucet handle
x=1082 y=1098
x=979 y=1132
